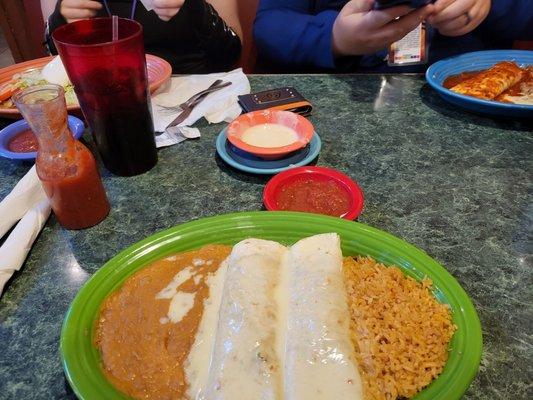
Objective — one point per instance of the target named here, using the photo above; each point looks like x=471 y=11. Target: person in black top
x=189 y=34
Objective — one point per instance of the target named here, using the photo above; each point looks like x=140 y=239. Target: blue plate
x=250 y=160
x=266 y=167
x=438 y=72
x=76 y=126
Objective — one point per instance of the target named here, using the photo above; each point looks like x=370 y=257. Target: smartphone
x=383 y=4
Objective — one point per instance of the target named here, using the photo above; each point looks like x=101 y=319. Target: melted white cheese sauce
x=180 y=305
x=199 y=359
x=281 y=294
x=181 y=302
x=171 y=289
x=197 y=262
x=269 y=135
x=526 y=95
x=197 y=279
x=525 y=99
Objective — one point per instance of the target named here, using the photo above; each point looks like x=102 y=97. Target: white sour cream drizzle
x=199 y=359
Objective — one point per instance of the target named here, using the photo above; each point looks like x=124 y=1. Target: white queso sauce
x=269 y=135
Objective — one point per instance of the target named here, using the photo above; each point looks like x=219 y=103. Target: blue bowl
x=76 y=126
x=250 y=160
x=438 y=72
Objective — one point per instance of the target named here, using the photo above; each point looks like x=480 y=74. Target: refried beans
x=142 y=350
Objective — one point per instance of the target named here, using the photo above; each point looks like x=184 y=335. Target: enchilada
x=489 y=84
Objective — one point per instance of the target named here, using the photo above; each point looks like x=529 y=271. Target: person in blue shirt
x=352 y=36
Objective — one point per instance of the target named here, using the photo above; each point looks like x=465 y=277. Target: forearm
x=224 y=44
x=55 y=20
x=229 y=12
x=217 y=47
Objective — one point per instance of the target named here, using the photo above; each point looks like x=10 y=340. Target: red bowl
x=303 y=128
x=277 y=183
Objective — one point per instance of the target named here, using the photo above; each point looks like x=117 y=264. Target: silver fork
x=187 y=103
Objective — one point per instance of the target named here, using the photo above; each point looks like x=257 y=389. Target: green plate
x=81 y=359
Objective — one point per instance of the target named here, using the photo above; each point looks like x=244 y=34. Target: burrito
x=244 y=363
x=319 y=359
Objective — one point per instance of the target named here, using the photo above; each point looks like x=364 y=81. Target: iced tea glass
x=110 y=81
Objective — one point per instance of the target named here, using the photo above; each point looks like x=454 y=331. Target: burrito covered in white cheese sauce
x=319 y=356
x=283 y=326
x=244 y=363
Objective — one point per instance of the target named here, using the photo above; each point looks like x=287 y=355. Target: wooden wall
x=23 y=26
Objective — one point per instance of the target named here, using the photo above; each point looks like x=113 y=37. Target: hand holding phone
x=360 y=29
x=458 y=17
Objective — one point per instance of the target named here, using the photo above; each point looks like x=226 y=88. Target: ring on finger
x=468 y=18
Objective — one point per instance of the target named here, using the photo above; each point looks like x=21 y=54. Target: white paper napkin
x=219 y=106
x=24 y=196
x=17 y=245
x=175 y=135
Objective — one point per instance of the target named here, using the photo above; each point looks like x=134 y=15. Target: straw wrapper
x=29 y=202
x=24 y=196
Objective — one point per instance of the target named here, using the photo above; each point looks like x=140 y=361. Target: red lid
x=274 y=187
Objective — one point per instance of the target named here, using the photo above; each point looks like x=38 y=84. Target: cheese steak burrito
x=319 y=356
x=244 y=363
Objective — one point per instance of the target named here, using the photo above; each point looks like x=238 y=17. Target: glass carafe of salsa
x=66 y=168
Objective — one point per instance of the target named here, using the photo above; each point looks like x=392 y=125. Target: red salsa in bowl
x=18 y=142
x=23 y=142
x=316 y=190
x=319 y=196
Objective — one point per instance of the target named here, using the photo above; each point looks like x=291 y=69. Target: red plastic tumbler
x=110 y=81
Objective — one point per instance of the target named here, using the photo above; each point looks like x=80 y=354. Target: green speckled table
x=454 y=184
